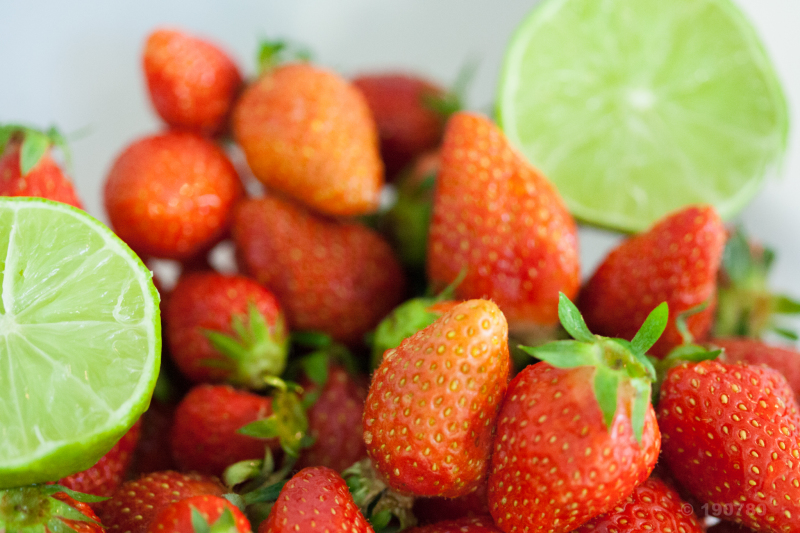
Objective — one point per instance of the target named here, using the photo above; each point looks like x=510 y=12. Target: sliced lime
x=80 y=340
x=635 y=108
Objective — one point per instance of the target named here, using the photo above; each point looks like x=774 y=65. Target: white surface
x=76 y=64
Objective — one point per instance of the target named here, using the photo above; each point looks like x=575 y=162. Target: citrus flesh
x=636 y=108
x=80 y=340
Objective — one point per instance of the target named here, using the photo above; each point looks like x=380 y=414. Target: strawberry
x=215 y=514
x=47 y=509
x=731 y=438
x=204 y=434
x=332 y=276
x=109 y=472
x=315 y=499
x=652 y=507
x=135 y=503
x=406 y=111
x=28 y=169
x=192 y=83
x=498 y=219
x=431 y=406
x=153 y=449
x=309 y=133
x=225 y=328
x=170 y=195
x=479 y=524
x=575 y=438
x=675 y=261
x=784 y=359
x=432 y=510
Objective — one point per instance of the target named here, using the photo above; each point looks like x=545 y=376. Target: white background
x=76 y=64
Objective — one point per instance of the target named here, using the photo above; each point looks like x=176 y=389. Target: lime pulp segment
x=80 y=340
x=636 y=108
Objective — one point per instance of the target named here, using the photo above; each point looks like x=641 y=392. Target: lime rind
x=81 y=340
x=636 y=108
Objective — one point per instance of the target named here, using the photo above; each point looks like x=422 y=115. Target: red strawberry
x=192 y=83
x=38 y=174
x=405 y=110
x=332 y=276
x=315 y=499
x=135 y=503
x=784 y=359
x=153 y=451
x=652 y=507
x=47 y=509
x=675 y=261
x=170 y=195
x=109 y=472
x=225 y=328
x=480 y=524
x=500 y=220
x=572 y=441
x=309 y=133
x=431 y=407
x=732 y=438
x=215 y=512
x=204 y=432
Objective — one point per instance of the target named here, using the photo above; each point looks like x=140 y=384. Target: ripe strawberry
x=652 y=507
x=109 y=472
x=480 y=524
x=36 y=174
x=784 y=359
x=573 y=440
x=675 y=261
x=47 y=509
x=315 y=499
x=332 y=276
x=135 y=503
x=192 y=83
x=170 y=195
x=431 y=406
x=731 y=438
x=405 y=108
x=204 y=433
x=309 y=134
x=500 y=220
x=225 y=328
x=216 y=513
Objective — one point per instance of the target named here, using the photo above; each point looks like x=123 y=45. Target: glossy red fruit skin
x=784 y=359
x=431 y=407
x=191 y=82
x=675 y=261
x=204 y=438
x=500 y=219
x=731 y=437
x=407 y=123
x=135 y=503
x=177 y=517
x=653 y=507
x=329 y=275
x=315 y=499
x=44 y=180
x=308 y=133
x=474 y=524
x=332 y=419
x=554 y=457
x=170 y=195
x=85 y=509
x=110 y=471
x=208 y=301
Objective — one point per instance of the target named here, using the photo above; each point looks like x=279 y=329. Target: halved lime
x=80 y=340
x=635 y=108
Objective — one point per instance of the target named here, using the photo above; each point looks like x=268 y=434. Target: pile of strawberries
x=427 y=360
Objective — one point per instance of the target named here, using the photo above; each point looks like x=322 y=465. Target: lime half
x=80 y=340
x=635 y=108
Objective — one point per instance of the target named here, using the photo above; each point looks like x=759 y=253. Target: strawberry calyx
x=224 y=524
x=34 y=144
x=37 y=508
x=746 y=305
x=256 y=484
x=617 y=362
x=254 y=352
x=385 y=509
x=452 y=101
x=272 y=53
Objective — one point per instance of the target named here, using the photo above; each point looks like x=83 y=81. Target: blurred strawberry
x=784 y=359
x=472 y=524
x=170 y=195
x=192 y=83
x=199 y=514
